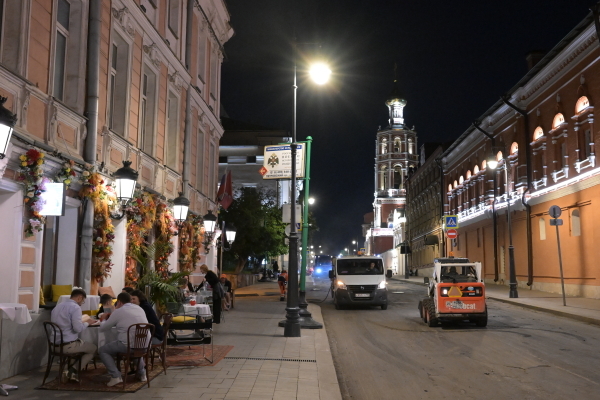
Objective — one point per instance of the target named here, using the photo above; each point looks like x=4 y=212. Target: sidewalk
x=262 y=365
x=578 y=308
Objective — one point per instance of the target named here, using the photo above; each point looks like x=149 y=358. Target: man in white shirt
x=68 y=317
x=125 y=314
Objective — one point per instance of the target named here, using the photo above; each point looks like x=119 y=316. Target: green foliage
x=260 y=231
x=162 y=290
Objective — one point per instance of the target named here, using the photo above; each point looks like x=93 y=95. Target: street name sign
x=450 y=221
x=277 y=163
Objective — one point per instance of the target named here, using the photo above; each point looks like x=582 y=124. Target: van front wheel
x=384 y=306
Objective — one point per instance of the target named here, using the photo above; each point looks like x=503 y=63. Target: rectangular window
x=60 y=56
x=563 y=154
x=200 y=161
x=172 y=131
x=587 y=151
x=202 y=56
x=147 y=111
x=211 y=171
x=118 y=81
x=174 y=11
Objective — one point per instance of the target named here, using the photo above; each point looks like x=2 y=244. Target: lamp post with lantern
x=7 y=123
x=125 y=183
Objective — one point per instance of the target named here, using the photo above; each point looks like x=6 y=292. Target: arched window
x=455 y=184
x=483 y=164
x=397 y=176
x=499 y=156
x=514 y=148
x=461 y=180
x=449 y=188
x=468 y=174
x=542 y=225
x=476 y=169
x=575 y=223
x=397 y=145
x=558 y=120
x=582 y=104
x=383 y=178
x=384 y=146
x=410 y=146
x=538 y=133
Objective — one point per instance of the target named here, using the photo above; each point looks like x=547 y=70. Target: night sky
x=454 y=60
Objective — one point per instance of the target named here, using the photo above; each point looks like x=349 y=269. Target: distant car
x=323 y=264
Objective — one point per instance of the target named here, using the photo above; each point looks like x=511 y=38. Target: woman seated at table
x=139 y=298
x=106 y=304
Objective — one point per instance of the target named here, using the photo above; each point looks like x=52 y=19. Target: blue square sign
x=450 y=221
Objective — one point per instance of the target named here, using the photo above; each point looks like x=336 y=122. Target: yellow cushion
x=179 y=319
x=61 y=290
x=42 y=301
x=91 y=313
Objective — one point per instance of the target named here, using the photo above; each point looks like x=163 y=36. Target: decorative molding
x=124 y=18
x=25 y=107
x=153 y=54
x=176 y=80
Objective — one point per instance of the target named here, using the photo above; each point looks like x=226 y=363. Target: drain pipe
x=529 y=183
x=443 y=241
x=494 y=216
x=89 y=152
x=188 y=101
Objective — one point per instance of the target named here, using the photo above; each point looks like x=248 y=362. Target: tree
x=258 y=224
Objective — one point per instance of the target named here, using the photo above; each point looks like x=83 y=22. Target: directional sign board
x=450 y=221
x=277 y=162
x=452 y=233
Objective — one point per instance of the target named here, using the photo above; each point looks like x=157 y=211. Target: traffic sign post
x=450 y=221
x=555 y=212
x=452 y=233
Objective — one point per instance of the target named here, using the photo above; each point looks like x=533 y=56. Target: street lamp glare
x=492 y=163
x=311 y=201
x=320 y=73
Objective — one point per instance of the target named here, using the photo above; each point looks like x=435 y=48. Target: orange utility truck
x=455 y=292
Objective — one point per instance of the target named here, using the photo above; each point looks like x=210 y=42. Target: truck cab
x=358 y=280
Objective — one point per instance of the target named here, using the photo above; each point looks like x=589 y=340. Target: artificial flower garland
x=67 y=173
x=32 y=175
x=105 y=202
x=191 y=235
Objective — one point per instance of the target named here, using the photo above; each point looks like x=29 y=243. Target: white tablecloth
x=15 y=312
x=92 y=334
x=91 y=302
x=198 y=309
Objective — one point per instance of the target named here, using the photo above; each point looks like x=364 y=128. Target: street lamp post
x=513 y=292
x=320 y=74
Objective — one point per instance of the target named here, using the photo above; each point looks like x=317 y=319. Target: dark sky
x=455 y=59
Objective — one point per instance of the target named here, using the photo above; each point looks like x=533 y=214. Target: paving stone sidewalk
x=262 y=365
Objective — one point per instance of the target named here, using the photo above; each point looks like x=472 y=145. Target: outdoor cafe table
x=198 y=309
x=91 y=302
x=92 y=334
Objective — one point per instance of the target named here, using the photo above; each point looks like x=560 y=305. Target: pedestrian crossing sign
x=450 y=221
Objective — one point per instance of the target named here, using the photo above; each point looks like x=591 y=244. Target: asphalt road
x=521 y=354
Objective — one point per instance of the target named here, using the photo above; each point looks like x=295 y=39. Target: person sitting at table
x=211 y=278
x=126 y=314
x=106 y=304
x=227 y=286
x=72 y=322
x=139 y=298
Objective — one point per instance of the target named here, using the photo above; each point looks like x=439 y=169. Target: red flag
x=225 y=193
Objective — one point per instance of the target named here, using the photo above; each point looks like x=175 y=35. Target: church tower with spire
x=396 y=153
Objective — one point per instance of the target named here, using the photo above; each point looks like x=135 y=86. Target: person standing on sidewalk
x=282 y=281
x=217 y=290
x=69 y=318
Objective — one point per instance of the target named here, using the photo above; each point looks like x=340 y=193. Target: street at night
x=521 y=354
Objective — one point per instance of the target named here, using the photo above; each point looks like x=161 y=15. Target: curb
x=575 y=317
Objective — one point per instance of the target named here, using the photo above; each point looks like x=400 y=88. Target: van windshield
x=360 y=267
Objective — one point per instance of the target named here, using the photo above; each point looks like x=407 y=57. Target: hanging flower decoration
x=166 y=227
x=67 y=173
x=191 y=235
x=141 y=215
x=105 y=202
x=32 y=176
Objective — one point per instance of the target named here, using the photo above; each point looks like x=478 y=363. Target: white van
x=359 y=280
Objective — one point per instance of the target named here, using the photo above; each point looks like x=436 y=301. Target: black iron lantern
x=7 y=123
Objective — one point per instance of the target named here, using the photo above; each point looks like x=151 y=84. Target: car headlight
x=341 y=285
x=319 y=270
x=382 y=285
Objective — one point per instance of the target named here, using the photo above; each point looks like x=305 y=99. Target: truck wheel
x=384 y=306
x=432 y=320
x=421 y=309
x=424 y=309
x=482 y=321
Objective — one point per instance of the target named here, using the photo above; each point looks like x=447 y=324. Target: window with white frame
x=563 y=154
x=575 y=223
x=211 y=171
x=587 y=140
x=172 y=130
x=200 y=161
x=10 y=31
x=117 y=102
x=174 y=16
x=60 y=51
x=147 y=110
x=214 y=74
x=150 y=8
x=202 y=39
